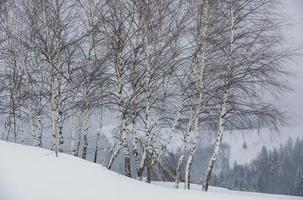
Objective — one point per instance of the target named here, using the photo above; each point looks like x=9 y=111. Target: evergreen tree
x=298 y=186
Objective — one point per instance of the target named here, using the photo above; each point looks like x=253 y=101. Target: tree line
x=278 y=171
x=168 y=71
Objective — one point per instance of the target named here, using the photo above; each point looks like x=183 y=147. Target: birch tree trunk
x=135 y=143
x=174 y=127
x=73 y=115
x=53 y=80
x=120 y=70
x=60 y=119
x=98 y=137
x=147 y=120
x=113 y=157
x=39 y=120
x=217 y=144
x=85 y=133
x=21 y=126
x=73 y=132
x=201 y=60
x=40 y=104
x=183 y=148
x=79 y=140
x=88 y=71
x=225 y=97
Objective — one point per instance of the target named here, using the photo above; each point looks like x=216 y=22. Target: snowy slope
x=29 y=173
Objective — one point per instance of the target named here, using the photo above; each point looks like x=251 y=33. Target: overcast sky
x=294 y=101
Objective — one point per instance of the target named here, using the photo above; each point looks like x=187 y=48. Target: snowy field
x=30 y=173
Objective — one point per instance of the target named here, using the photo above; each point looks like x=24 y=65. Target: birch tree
x=252 y=66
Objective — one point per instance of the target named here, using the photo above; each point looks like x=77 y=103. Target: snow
x=31 y=173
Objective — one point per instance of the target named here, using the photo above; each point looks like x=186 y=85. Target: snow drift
x=30 y=173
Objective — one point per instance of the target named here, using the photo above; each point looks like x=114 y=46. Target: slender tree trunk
x=85 y=134
x=60 y=119
x=113 y=157
x=29 y=107
x=174 y=127
x=183 y=148
x=201 y=59
x=125 y=146
x=223 y=111
x=193 y=151
x=142 y=165
x=73 y=131
x=31 y=121
x=80 y=127
x=72 y=95
x=97 y=148
x=219 y=138
x=21 y=126
x=135 y=143
x=60 y=129
x=98 y=137
x=40 y=123
x=54 y=112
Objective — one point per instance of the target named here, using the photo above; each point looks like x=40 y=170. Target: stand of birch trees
x=168 y=71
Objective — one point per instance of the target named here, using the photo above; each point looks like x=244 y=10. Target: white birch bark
x=21 y=126
x=87 y=112
x=201 y=58
x=60 y=119
x=79 y=138
x=183 y=148
x=223 y=111
x=98 y=138
x=73 y=115
x=147 y=120
x=135 y=142
x=53 y=80
x=113 y=157
x=85 y=116
x=39 y=119
x=219 y=138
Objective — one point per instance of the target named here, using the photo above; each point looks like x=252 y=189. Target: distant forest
x=278 y=171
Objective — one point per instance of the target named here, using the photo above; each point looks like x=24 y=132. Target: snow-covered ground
x=30 y=173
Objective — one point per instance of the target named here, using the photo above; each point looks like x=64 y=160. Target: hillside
x=29 y=173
